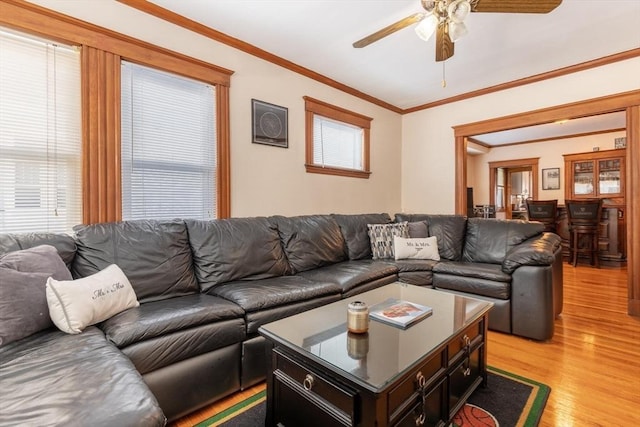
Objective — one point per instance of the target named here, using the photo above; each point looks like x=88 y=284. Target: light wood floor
x=592 y=364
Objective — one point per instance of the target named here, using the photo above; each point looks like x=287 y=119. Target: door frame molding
x=626 y=101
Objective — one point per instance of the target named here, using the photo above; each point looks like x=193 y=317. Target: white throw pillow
x=76 y=304
x=421 y=248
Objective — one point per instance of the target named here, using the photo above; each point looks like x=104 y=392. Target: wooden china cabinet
x=599 y=175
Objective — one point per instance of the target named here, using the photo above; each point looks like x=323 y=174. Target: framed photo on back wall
x=551 y=179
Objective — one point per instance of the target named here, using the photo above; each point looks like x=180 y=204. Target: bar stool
x=544 y=211
x=584 y=229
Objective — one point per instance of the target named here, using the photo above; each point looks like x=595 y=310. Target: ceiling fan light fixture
x=457 y=30
x=427 y=27
x=458 y=10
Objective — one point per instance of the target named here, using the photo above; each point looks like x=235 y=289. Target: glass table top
x=376 y=358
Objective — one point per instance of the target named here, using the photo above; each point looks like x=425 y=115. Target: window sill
x=337 y=171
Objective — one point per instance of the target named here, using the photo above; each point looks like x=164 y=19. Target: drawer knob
x=308 y=382
x=420 y=420
x=466 y=340
x=421 y=380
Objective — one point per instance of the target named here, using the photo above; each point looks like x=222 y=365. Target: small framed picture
x=269 y=124
x=551 y=179
x=620 y=142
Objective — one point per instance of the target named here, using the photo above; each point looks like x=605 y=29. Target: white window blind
x=168 y=145
x=337 y=144
x=40 y=134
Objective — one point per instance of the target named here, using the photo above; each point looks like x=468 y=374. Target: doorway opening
x=511 y=183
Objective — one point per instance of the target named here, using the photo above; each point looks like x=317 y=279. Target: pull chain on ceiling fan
x=446 y=19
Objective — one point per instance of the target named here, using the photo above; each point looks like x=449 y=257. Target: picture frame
x=620 y=142
x=269 y=124
x=551 y=179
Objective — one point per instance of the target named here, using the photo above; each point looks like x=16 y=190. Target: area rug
x=509 y=401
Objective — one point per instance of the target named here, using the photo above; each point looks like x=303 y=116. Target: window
x=40 y=135
x=168 y=145
x=337 y=140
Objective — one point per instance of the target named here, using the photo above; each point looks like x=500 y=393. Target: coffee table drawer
x=463 y=380
x=470 y=337
x=408 y=390
x=429 y=412
x=315 y=386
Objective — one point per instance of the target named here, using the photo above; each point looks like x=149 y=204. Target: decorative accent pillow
x=23 y=301
x=420 y=248
x=418 y=229
x=381 y=238
x=76 y=304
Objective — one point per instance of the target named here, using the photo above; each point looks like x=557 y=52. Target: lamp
x=450 y=12
x=427 y=27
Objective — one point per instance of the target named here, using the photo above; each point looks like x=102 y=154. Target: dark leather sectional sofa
x=206 y=287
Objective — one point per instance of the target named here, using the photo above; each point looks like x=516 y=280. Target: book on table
x=399 y=312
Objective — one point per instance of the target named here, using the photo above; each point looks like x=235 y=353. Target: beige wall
x=269 y=180
x=428 y=160
x=412 y=156
x=550 y=154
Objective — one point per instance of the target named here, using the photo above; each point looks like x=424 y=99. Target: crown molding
x=169 y=16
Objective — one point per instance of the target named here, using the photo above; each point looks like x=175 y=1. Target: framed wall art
x=269 y=124
x=551 y=179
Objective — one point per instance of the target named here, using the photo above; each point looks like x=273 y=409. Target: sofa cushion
x=489 y=240
x=356 y=234
x=237 y=248
x=76 y=304
x=418 y=229
x=351 y=274
x=161 y=333
x=165 y=317
x=255 y=319
x=472 y=285
x=154 y=255
x=473 y=278
x=450 y=231
x=76 y=380
x=413 y=265
x=473 y=269
x=255 y=295
x=311 y=241
x=64 y=243
x=381 y=237
x=23 y=302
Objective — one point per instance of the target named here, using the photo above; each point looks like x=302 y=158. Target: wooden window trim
x=313 y=107
x=100 y=77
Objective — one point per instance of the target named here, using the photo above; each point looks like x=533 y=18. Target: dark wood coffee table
x=321 y=375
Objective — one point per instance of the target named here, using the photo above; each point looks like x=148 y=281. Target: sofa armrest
x=539 y=250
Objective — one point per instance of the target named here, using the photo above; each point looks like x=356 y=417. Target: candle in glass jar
x=358 y=317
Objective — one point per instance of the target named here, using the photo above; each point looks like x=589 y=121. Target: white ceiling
x=593 y=124
x=401 y=69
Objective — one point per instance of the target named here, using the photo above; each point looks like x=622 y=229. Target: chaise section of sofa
x=52 y=378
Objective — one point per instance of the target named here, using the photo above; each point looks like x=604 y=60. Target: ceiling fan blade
x=444 y=45
x=403 y=23
x=515 y=6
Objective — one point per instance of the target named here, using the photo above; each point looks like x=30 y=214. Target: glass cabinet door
x=583 y=178
x=609 y=176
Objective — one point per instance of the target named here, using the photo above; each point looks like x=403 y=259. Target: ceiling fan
x=446 y=19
